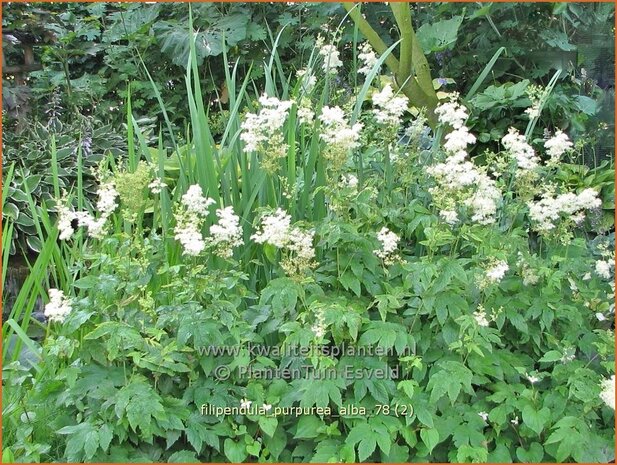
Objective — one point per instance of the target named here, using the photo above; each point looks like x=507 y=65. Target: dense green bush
x=36 y=174
x=322 y=218
x=89 y=53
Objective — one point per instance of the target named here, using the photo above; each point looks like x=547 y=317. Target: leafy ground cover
x=334 y=274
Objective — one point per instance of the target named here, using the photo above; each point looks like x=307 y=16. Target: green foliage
x=447 y=365
x=48 y=160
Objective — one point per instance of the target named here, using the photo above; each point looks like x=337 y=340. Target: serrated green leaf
x=366 y=447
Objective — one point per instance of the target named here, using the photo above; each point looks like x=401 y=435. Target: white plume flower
x=296 y=243
x=452 y=113
x=58 y=307
x=603 y=268
x=65 y=218
x=390 y=108
x=518 y=147
x=260 y=129
x=190 y=217
x=480 y=317
x=548 y=210
x=274 y=229
x=227 y=233
x=608 y=392
x=389 y=243
x=157 y=186
x=557 y=145
x=496 y=272
x=331 y=60
x=367 y=57
x=195 y=202
x=106 y=203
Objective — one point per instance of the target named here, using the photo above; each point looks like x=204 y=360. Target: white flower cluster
x=480 y=317
x=227 y=233
x=535 y=94
x=65 y=218
x=106 y=204
x=608 y=392
x=367 y=57
x=457 y=174
x=348 y=181
x=246 y=404
x=340 y=137
x=569 y=354
x=549 y=209
x=452 y=113
x=522 y=152
x=458 y=140
x=604 y=268
x=390 y=108
x=195 y=202
x=276 y=229
x=319 y=327
x=528 y=273
x=58 y=307
x=157 y=186
x=331 y=60
x=189 y=220
x=336 y=129
x=557 y=145
x=484 y=200
x=308 y=80
x=261 y=128
x=305 y=115
x=496 y=272
x=532 y=379
x=389 y=243
x=533 y=111
x=449 y=216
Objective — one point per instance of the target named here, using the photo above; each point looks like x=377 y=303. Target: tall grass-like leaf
x=22 y=338
x=368 y=81
x=487 y=69
x=30 y=292
x=165 y=210
x=545 y=95
x=270 y=77
x=54 y=167
x=362 y=95
x=7 y=239
x=129 y=130
x=202 y=138
x=81 y=201
x=8 y=224
x=7 y=181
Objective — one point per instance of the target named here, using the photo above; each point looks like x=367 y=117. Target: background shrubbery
x=89 y=53
x=502 y=330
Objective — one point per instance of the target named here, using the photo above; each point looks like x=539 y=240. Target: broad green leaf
x=430 y=438
x=536 y=419
x=268 y=425
x=533 y=454
x=235 y=451
x=307 y=427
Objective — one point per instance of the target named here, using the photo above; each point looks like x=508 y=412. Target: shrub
x=474 y=299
